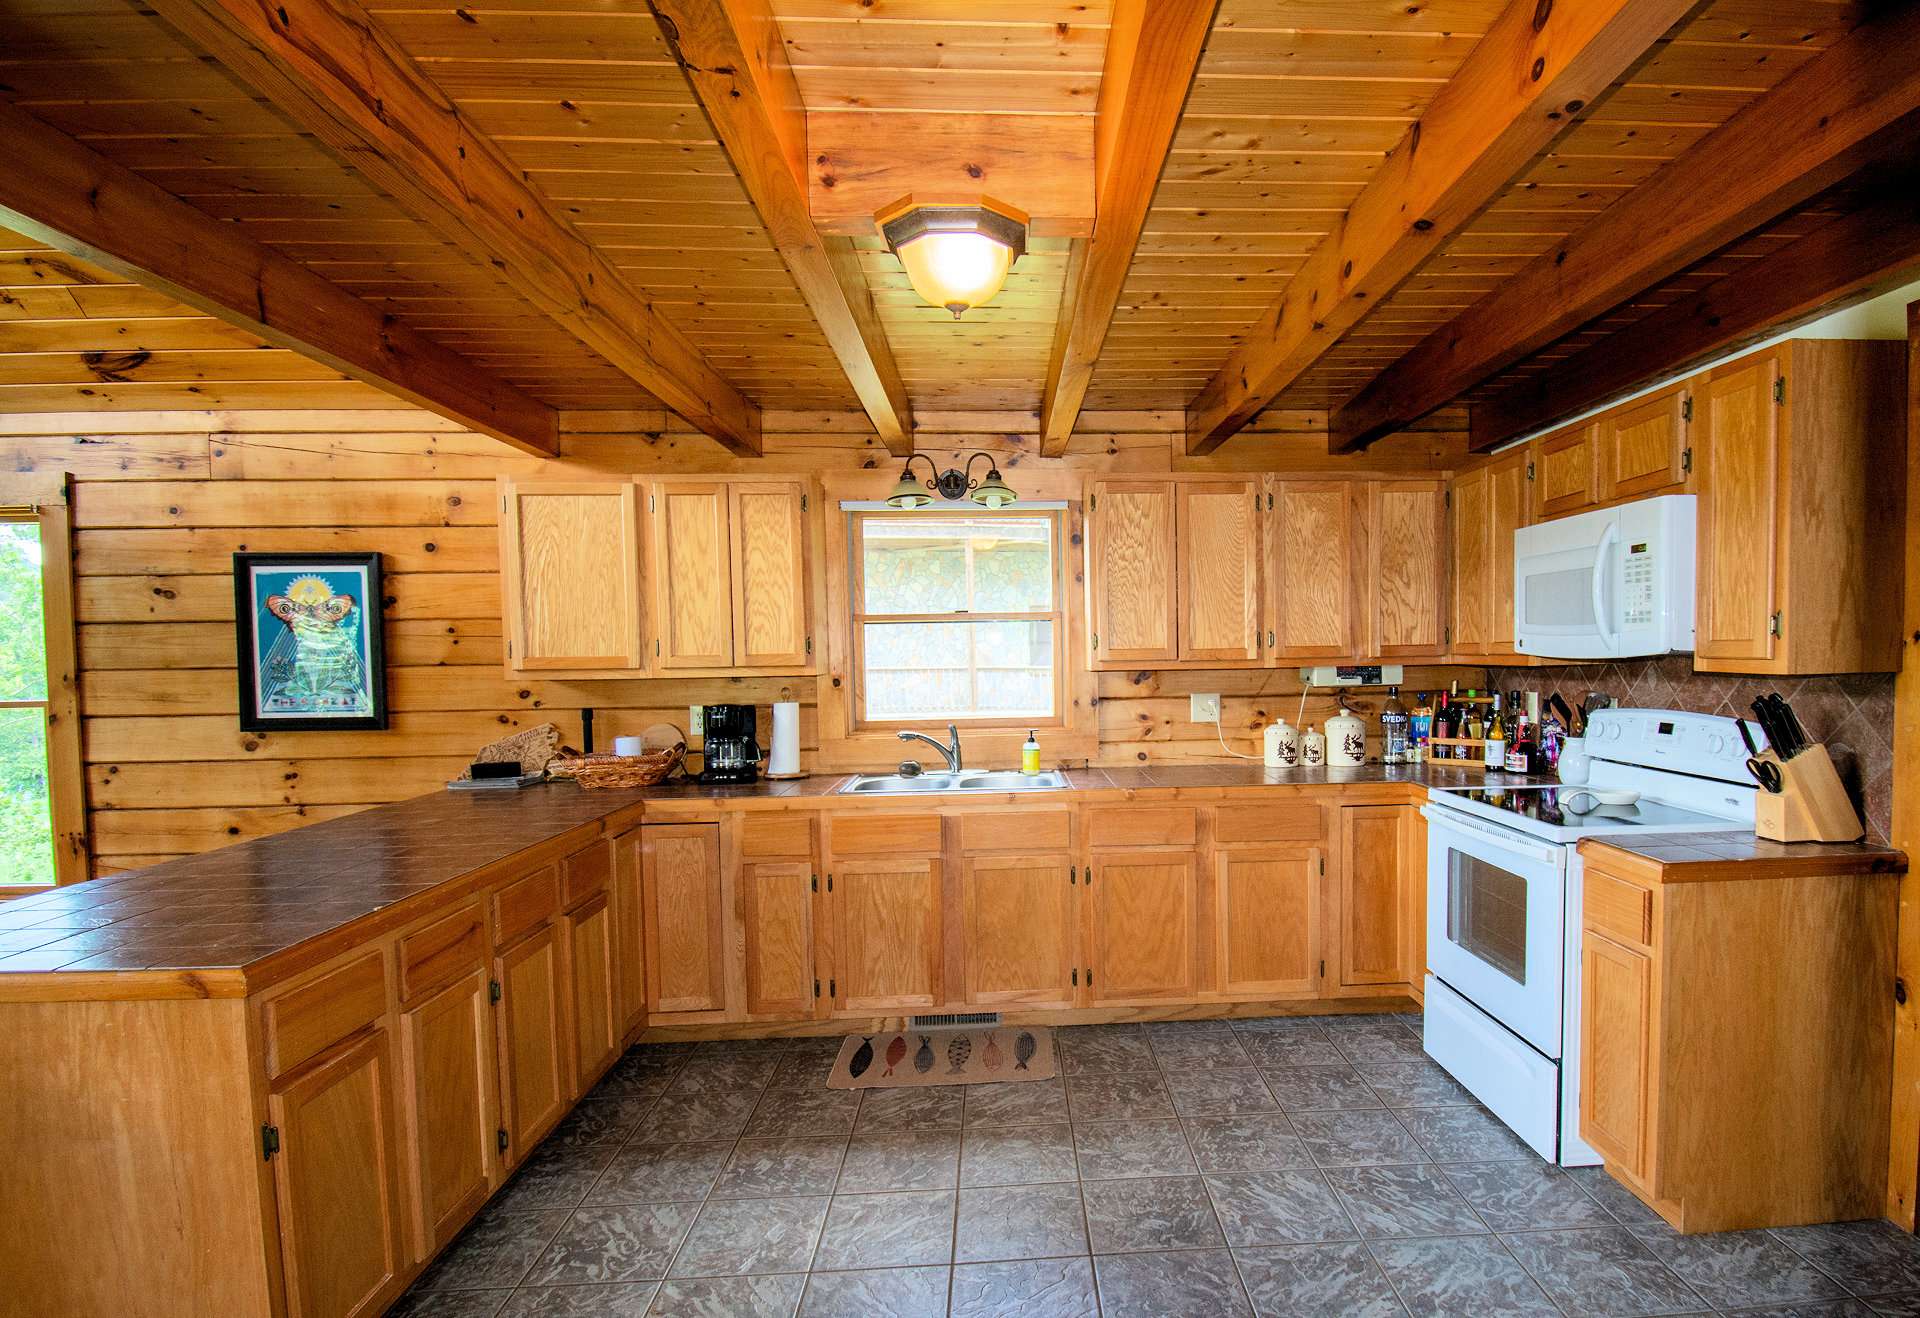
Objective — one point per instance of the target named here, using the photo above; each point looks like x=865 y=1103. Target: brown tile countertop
x=1719 y=857
x=236 y=909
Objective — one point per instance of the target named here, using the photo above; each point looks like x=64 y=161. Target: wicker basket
x=646 y=770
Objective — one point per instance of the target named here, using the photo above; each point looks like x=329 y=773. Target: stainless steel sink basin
x=941 y=782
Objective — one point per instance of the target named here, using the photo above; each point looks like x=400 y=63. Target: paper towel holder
x=786 y=698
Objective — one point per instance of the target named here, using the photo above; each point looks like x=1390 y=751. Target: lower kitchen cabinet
x=777 y=902
x=1380 y=885
x=685 y=920
x=1021 y=944
x=630 y=936
x=590 y=972
x=886 y=934
x=1616 y=1029
x=536 y=1066
x=447 y=1059
x=1267 y=917
x=336 y=1178
x=1140 y=921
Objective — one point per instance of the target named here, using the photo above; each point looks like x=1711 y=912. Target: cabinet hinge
x=1686 y=408
x=500 y=1138
x=509 y=649
x=1093 y=501
x=493 y=990
x=503 y=503
x=1779 y=389
x=809 y=645
x=1773 y=624
x=1096 y=640
x=833 y=988
x=816 y=882
x=829 y=883
x=1076 y=976
x=1686 y=458
x=803 y=503
x=1446 y=500
x=1269 y=500
x=1073 y=874
x=1446 y=634
x=269 y=1142
x=1323 y=864
x=649 y=503
x=1323 y=970
x=1089 y=976
x=1529 y=468
x=816 y=988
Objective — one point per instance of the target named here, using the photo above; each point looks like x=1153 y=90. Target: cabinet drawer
x=1141 y=826
x=305 y=1022
x=526 y=904
x=905 y=836
x=1017 y=830
x=586 y=872
x=443 y=951
x=1294 y=821
x=776 y=837
x=1621 y=911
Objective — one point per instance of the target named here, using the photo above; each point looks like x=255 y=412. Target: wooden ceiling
x=683 y=259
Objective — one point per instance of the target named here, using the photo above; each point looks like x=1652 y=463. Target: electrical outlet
x=1203 y=709
x=696 y=720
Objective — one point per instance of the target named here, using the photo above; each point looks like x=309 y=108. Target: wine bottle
x=1495 y=751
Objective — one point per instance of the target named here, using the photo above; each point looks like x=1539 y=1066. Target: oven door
x=1496 y=913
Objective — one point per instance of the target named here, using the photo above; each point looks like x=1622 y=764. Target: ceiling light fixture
x=953 y=483
x=956 y=255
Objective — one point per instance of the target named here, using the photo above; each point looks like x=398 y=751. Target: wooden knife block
x=1811 y=805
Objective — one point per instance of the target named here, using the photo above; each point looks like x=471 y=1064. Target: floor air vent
x=960 y=1018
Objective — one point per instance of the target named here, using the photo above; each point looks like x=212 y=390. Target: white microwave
x=1611 y=584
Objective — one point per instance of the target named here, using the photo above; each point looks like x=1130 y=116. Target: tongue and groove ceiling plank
x=335 y=72
x=1537 y=66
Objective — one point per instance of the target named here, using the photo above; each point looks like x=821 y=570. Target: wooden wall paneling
x=692 y=574
x=771 y=594
x=570 y=558
x=1218 y=577
x=1317 y=593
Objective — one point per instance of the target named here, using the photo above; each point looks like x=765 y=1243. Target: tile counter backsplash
x=1851 y=712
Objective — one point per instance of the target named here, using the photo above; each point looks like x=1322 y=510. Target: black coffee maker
x=732 y=754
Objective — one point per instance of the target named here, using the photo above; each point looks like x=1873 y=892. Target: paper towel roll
x=628 y=746
x=784 y=758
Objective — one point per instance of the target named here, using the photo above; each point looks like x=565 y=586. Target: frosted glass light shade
x=955 y=256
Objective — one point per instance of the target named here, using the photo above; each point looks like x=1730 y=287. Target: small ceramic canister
x=1313 y=747
x=1281 y=744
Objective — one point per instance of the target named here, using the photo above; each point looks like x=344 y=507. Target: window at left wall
x=26 y=812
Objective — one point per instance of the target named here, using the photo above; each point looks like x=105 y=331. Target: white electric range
x=1503 y=906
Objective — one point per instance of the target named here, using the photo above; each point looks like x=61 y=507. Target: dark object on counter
x=586 y=731
x=732 y=754
x=505 y=769
x=1782 y=727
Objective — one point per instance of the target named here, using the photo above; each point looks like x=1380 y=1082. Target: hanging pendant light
x=956 y=255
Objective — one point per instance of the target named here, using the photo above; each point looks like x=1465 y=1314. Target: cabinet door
x=337 y=1180
x=447 y=1052
x=1566 y=471
x=1616 y=1027
x=886 y=934
x=771 y=627
x=630 y=937
x=1406 y=538
x=1267 y=904
x=1217 y=549
x=1642 y=446
x=778 y=900
x=1141 y=921
x=1020 y=946
x=1737 y=450
x=536 y=1062
x=1315 y=564
x=685 y=918
x=570 y=560
x=1471 y=535
x=590 y=971
x=1132 y=572
x=692 y=575
x=1506 y=513
x=1374 y=925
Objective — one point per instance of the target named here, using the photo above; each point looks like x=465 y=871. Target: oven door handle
x=1547 y=853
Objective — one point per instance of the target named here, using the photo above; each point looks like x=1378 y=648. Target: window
x=26 y=812
x=957 y=617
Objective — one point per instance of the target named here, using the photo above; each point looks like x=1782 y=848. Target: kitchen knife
x=1763 y=713
x=1800 y=740
x=1792 y=739
x=1746 y=736
x=1565 y=712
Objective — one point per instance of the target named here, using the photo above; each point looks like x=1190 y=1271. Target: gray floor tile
x=602 y=1120
x=644 y=1069
x=1219 y=1093
x=1029 y=1103
x=659 y=1173
x=805 y=1112
x=1316 y=1281
x=1811 y=1309
x=705 y=1074
x=1423 y=1083
x=1868 y=1258
x=1601 y=1270
x=802 y=1071
x=449 y=1304
x=1140 y=1097
x=1321 y=1088
x=934 y=1108
x=1020 y=1222
x=1149 y=1213
x=901 y=1160
x=1403 y=1201
x=1260 y=1143
x=1017 y=1155
x=1897 y=1306
x=1518 y=1196
x=555 y=1176
x=1463 y=1134
x=883 y=1292
x=729 y=1297
x=633 y=1242
x=707 y=1114
x=495 y=1251
x=708 y=1049
x=1615 y=1198
x=1378 y=1049
x=1200 y=1051
x=629 y=1299
x=1461 y=1275
x=887 y=1230
x=1195 y=1284
x=1278 y=1050
x=1355 y=1139
x=1103 y=1050
x=1305 y=1026
x=1024 y=1288
x=1740 y=1269
x=765 y=1168
x=1106 y=1149
x=737 y=1236
x=1278 y=1208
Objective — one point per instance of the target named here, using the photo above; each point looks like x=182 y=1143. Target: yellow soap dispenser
x=1030 y=754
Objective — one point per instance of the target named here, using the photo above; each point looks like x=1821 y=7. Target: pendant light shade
x=993 y=492
x=955 y=256
x=908 y=492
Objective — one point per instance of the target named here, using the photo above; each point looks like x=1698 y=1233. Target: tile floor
x=1316 y=1166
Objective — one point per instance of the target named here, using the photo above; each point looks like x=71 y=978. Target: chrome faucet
x=951 y=752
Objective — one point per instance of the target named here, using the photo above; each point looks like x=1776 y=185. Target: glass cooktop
x=1562 y=807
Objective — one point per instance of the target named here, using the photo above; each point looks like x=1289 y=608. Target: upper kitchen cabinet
x=1131 y=591
x=691 y=583
x=1566 y=471
x=1799 y=453
x=1406 y=568
x=1488 y=504
x=1217 y=552
x=1314 y=564
x=1644 y=445
x=570 y=566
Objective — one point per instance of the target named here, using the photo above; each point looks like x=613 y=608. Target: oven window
x=1487 y=913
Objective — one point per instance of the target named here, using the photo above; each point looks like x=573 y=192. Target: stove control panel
x=1705 y=745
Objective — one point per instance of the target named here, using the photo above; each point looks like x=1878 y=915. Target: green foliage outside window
x=26 y=828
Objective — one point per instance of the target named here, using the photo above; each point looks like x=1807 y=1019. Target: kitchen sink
x=941 y=782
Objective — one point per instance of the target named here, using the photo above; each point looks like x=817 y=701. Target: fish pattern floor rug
x=910 y=1058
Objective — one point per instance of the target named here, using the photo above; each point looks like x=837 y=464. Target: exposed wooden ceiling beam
x=1521 y=86
x=329 y=66
x=736 y=61
x=1818 y=125
x=1153 y=51
x=1844 y=261
x=56 y=190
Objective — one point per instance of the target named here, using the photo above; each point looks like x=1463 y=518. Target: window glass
x=23 y=645
x=955 y=670
x=26 y=814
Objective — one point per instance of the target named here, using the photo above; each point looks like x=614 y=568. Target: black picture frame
x=360 y=571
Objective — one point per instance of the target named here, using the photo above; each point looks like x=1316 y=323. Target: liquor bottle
x=1420 y=728
x=1393 y=729
x=1495 y=751
x=1442 y=726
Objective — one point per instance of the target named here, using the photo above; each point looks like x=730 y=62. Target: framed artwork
x=307 y=628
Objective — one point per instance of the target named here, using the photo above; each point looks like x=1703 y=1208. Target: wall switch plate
x=1204 y=709
x=696 y=720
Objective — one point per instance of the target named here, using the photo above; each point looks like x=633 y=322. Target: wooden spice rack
x=1477 y=745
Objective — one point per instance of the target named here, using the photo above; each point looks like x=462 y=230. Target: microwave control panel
x=1637 y=607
